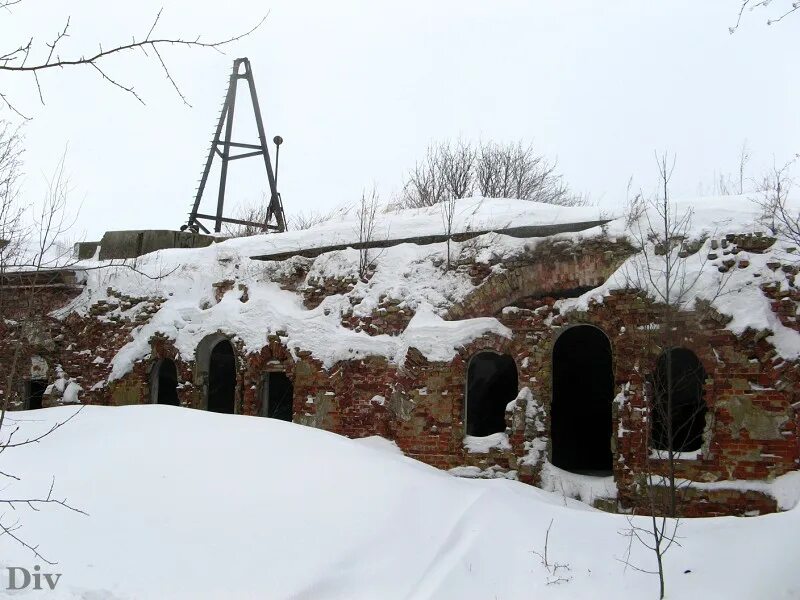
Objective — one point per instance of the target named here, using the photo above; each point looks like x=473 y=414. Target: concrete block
x=130 y=244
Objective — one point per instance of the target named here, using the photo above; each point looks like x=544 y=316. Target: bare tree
x=787 y=7
x=744 y=158
x=772 y=190
x=731 y=183
x=12 y=228
x=456 y=163
x=367 y=210
x=32 y=59
x=448 y=208
x=675 y=417
x=493 y=170
x=516 y=171
x=424 y=185
x=30 y=250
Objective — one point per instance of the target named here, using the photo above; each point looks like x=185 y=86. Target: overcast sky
x=358 y=89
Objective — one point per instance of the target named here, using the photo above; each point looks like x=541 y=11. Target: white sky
x=358 y=89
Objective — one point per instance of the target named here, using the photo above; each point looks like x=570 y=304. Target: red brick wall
x=753 y=431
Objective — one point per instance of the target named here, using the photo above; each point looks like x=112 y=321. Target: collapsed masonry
x=525 y=361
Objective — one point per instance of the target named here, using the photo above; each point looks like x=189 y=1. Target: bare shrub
x=517 y=171
x=772 y=195
x=493 y=170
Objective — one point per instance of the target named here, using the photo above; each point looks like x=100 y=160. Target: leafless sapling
x=366 y=213
x=675 y=409
x=448 y=210
x=32 y=249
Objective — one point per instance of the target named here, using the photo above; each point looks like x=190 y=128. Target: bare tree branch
x=17 y=60
x=751 y=5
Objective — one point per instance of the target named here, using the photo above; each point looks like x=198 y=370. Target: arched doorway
x=583 y=390
x=164 y=383
x=492 y=383
x=222 y=378
x=277 y=396
x=679 y=408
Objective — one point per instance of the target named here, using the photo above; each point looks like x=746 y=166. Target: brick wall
x=752 y=430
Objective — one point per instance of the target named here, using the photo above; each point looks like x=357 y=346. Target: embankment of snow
x=189 y=504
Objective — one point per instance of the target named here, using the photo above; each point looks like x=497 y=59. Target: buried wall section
x=751 y=432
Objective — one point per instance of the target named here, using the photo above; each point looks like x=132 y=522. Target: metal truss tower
x=222 y=146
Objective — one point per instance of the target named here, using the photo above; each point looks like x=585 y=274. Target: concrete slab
x=133 y=243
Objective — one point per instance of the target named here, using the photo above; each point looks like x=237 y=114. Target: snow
x=472 y=214
x=735 y=293
x=66 y=387
x=184 y=279
x=784 y=488
x=409 y=273
x=687 y=455
x=586 y=488
x=196 y=505
x=483 y=444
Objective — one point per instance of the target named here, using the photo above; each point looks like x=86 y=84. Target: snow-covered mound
x=410 y=273
x=190 y=504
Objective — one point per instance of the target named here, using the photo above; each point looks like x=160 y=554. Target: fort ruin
x=531 y=359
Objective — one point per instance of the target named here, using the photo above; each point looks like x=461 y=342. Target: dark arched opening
x=34 y=393
x=277 y=396
x=222 y=378
x=164 y=383
x=491 y=384
x=583 y=390
x=679 y=409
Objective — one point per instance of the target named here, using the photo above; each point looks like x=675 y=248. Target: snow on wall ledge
x=731 y=284
x=256 y=306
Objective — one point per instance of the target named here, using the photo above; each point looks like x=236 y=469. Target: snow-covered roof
x=411 y=273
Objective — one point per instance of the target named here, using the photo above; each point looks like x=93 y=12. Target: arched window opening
x=277 y=396
x=34 y=393
x=679 y=408
x=222 y=378
x=164 y=383
x=583 y=391
x=492 y=383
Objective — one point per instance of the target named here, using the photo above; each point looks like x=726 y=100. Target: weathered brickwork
x=752 y=395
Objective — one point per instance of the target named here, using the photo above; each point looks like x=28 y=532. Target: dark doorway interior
x=222 y=378
x=491 y=384
x=166 y=386
x=583 y=389
x=277 y=396
x=35 y=393
x=688 y=413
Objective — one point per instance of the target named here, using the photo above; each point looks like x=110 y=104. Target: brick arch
x=163 y=348
x=691 y=417
x=553 y=268
x=581 y=401
x=490 y=342
x=497 y=413
x=274 y=357
x=202 y=362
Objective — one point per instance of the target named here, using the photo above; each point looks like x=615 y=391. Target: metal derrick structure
x=222 y=145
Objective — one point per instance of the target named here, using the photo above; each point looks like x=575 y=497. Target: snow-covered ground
x=190 y=504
